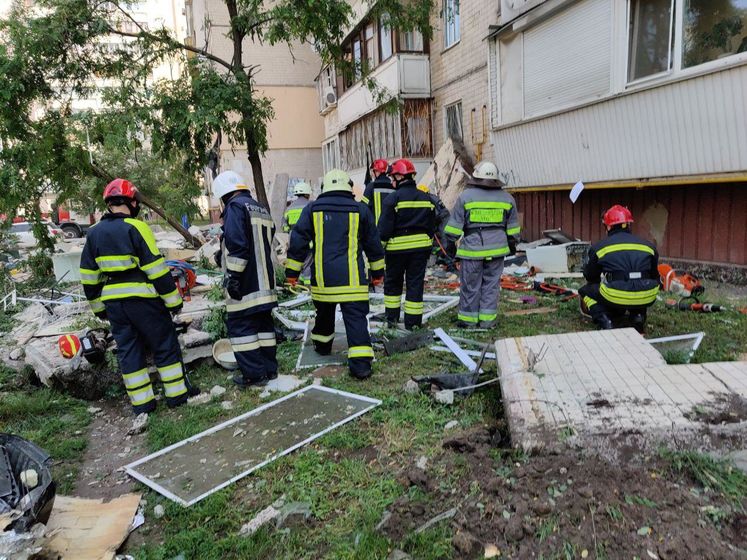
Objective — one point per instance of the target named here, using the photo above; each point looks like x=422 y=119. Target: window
x=651 y=38
x=451 y=22
x=371 y=50
x=454 y=121
x=713 y=30
x=410 y=41
x=330 y=156
x=385 y=37
x=357 y=58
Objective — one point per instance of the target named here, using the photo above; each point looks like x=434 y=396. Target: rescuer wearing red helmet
x=621 y=272
x=127 y=281
x=407 y=226
x=377 y=190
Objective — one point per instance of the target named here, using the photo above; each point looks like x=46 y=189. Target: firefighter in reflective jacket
x=621 y=272
x=406 y=227
x=127 y=281
x=486 y=220
x=341 y=230
x=302 y=191
x=249 y=279
x=377 y=190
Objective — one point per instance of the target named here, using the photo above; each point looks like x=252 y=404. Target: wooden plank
x=532 y=311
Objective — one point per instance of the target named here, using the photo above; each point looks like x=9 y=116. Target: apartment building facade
x=286 y=76
x=643 y=101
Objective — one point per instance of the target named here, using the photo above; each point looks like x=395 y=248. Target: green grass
x=719 y=476
x=53 y=421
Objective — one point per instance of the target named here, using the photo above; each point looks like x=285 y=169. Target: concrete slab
x=609 y=390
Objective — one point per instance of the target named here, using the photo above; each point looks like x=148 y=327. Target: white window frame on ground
x=676 y=66
x=450 y=14
x=456 y=118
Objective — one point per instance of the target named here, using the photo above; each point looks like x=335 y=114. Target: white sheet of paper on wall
x=576 y=192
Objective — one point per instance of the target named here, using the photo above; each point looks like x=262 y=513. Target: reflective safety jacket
x=341 y=230
x=375 y=194
x=483 y=218
x=293 y=213
x=408 y=219
x=120 y=260
x=246 y=247
x=625 y=267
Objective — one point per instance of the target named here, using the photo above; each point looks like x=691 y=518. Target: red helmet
x=617 y=215
x=402 y=167
x=120 y=188
x=380 y=165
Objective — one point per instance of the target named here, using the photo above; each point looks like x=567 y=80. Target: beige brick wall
x=460 y=73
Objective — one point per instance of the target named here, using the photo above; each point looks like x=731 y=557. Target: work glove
x=176 y=310
x=512 y=246
x=377 y=281
x=233 y=286
x=101 y=315
x=291 y=281
x=218 y=258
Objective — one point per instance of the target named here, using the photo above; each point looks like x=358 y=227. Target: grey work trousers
x=480 y=290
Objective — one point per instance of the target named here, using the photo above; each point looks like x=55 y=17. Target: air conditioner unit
x=330 y=97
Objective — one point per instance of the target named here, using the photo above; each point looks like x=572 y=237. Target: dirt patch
x=724 y=410
x=564 y=504
x=109 y=449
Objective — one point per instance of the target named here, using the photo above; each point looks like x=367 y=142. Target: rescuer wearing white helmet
x=249 y=280
x=302 y=192
x=485 y=218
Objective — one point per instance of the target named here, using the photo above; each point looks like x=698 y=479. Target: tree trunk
x=259 y=182
x=172 y=222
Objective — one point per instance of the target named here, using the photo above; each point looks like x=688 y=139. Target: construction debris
x=607 y=389
x=244 y=444
x=468 y=362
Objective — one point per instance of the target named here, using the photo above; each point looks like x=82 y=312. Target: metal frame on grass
x=130 y=469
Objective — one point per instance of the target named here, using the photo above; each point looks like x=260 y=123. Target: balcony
x=403 y=75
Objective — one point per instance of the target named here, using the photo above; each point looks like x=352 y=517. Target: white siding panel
x=692 y=127
x=568 y=58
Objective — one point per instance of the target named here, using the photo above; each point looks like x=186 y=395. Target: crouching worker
x=341 y=230
x=622 y=274
x=249 y=280
x=127 y=281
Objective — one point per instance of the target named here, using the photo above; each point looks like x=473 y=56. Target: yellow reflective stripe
x=174 y=389
x=392 y=302
x=136 y=379
x=128 y=289
x=170 y=372
x=96 y=305
x=360 y=352
x=141 y=396
x=146 y=233
x=414 y=307
x=488 y=316
x=514 y=230
x=364 y=200
x=323 y=337
x=294 y=265
x=340 y=289
x=156 y=269
x=409 y=204
x=90 y=277
x=589 y=302
x=483 y=253
x=267 y=339
x=337 y=298
x=376 y=265
x=377 y=206
x=236 y=264
x=248 y=303
x=353 y=275
x=468 y=317
x=486 y=204
x=453 y=230
x=486 y=216
x=116 y=263
x=318 y=246
x=624 y=247
x=172 y=299
x=621 y=297
x=415 y=241
x=293 y=215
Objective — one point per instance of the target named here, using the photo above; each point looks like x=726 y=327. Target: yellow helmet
x=337 y=180
x=424 y=188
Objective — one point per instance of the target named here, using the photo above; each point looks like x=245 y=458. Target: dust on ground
x=565 y=503
x=109 y=449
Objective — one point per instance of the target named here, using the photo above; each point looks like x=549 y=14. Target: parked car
x=24 y=233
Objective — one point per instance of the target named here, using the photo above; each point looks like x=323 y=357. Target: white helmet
x=337 y=180
x=302 y=188
x=228 y=182
x=486 y=174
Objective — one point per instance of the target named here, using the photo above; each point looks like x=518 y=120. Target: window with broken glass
x=454 y=121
